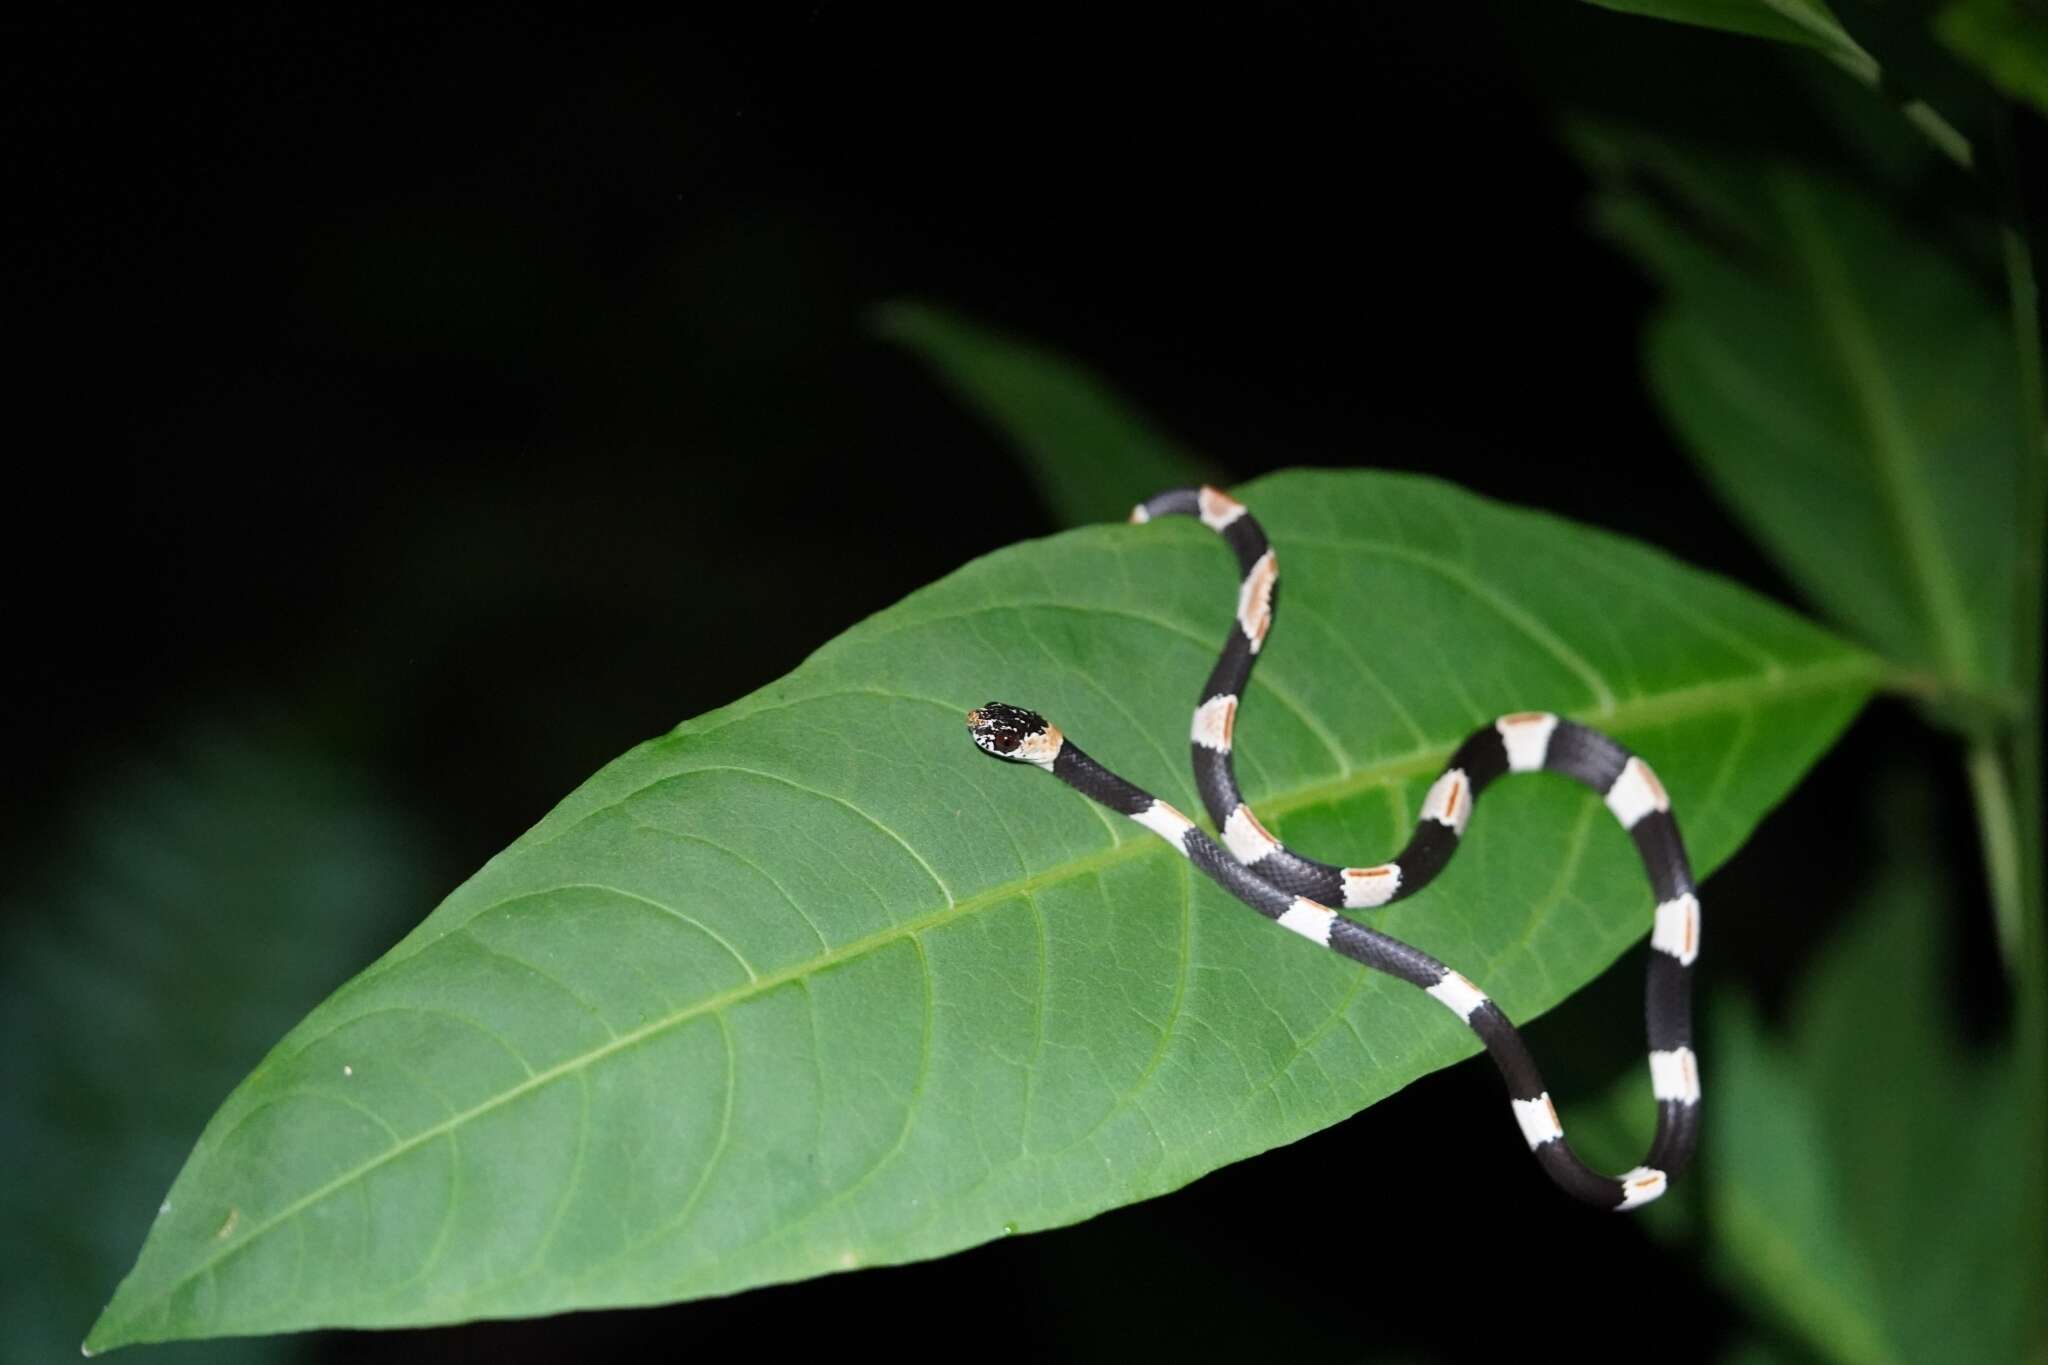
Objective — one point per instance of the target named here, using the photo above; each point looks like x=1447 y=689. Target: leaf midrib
x=1660 y=708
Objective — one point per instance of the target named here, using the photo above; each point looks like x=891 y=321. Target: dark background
x=470 y=395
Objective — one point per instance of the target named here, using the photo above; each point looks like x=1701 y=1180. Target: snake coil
x=1298 y=892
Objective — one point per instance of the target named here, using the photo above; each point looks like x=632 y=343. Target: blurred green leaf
x=810 y=984
x=201 y=902
x=1092 y=456
x=1809 y=23
x=1881 y=146
x=1864 y=1162
x=1860 y=1178
x=2005 y=39
x=1848 y=390
x=1778 y=1204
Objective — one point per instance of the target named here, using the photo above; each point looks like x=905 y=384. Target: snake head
x=1014 y=733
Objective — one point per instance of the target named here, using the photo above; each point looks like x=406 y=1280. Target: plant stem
x=2014 y=857
x=1998 y=829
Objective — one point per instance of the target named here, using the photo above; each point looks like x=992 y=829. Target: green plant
x=727 y=1015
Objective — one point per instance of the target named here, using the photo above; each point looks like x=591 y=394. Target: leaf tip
x=96 y=1340
x=115 y=1326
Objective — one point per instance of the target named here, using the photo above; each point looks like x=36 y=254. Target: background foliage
x=528 y=350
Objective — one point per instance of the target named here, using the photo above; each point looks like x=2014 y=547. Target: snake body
x=1298 y=892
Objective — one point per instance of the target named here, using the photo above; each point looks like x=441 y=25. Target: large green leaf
x=810 y=984
x=1849 y=391
x=1092 y=456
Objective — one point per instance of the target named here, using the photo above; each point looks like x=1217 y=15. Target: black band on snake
x=1297 y=892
